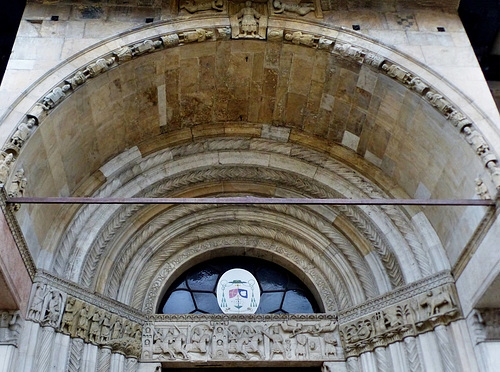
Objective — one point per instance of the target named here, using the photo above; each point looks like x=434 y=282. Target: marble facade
x=233 y=98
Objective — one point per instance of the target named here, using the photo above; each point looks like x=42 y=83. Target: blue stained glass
x=207 y=302
x=297 y=302
x=270 y=279
x=270 y=302
x=179 y=302
x=203 y=280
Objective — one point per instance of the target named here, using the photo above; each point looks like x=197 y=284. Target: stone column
x=7 y=358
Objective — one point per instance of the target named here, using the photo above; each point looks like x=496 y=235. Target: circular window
x=194 y=292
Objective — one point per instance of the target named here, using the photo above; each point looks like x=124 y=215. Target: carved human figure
x=18 y=184
x=123 y=54
x=53 y=309
x=198 y=35
x=53 y=98
x=301 y=347
x=105 y=330
x=200 y=339
x=146 y=46
x=77 y=79
x=248 y=19
x=280 y=7
x=397 y=73
x=439 y=102
x=298 y=37
x=37 y=303
x=349 y=51
x=476 y=140
x=482 y=189
x=192 y=6
x=22 y=133
x=95 y=327
x=458 y=119
x=5 y=162
x=418 y=85
x=248 y=342
x=68 y=316
x=330 y=344
x=83 y=322
x=98 y=67
x=117 y=329
x=277 y=345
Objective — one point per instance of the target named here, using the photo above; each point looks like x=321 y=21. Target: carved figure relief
x=249 y=22
x=6 y=160
x=301 y=9
x=283 y=340
x=10 y=326
x=193 y=6
x=56 y=96
x=78 y=319
x=419 y=314
x=298 y=37
x=21 y=134
x=198 y=35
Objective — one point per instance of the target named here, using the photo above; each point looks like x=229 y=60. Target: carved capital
x=419 y=314
x=10 y=325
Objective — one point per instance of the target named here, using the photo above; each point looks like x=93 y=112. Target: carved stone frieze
x=17 y=187
x=6 y=160
x=242 y=338
x=10 y=326
x=79 y=319
x=411 y=317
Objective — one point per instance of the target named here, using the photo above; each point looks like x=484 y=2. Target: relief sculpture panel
x=217 y=338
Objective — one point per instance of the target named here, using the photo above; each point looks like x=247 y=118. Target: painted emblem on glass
x=238 y=292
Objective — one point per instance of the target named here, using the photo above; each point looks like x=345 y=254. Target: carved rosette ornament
x=193 y=338
x=411 y=317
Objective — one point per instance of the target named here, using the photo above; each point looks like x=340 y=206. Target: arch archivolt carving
x=327 y=286
x=333 y=41
x=108 y=230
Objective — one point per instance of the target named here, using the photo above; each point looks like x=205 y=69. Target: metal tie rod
x=252 y=200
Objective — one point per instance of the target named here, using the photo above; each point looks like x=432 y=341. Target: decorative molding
x=17 y=234
x=221 y=338
x=411 y=317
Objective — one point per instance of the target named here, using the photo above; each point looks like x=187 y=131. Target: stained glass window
x=194 y=292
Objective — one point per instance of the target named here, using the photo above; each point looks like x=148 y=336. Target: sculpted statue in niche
x=300 y=9
x=6 y=160
x=248 y=23
x=298 y=37
x=198 y=35
x=192 y=6
x=476 y=140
